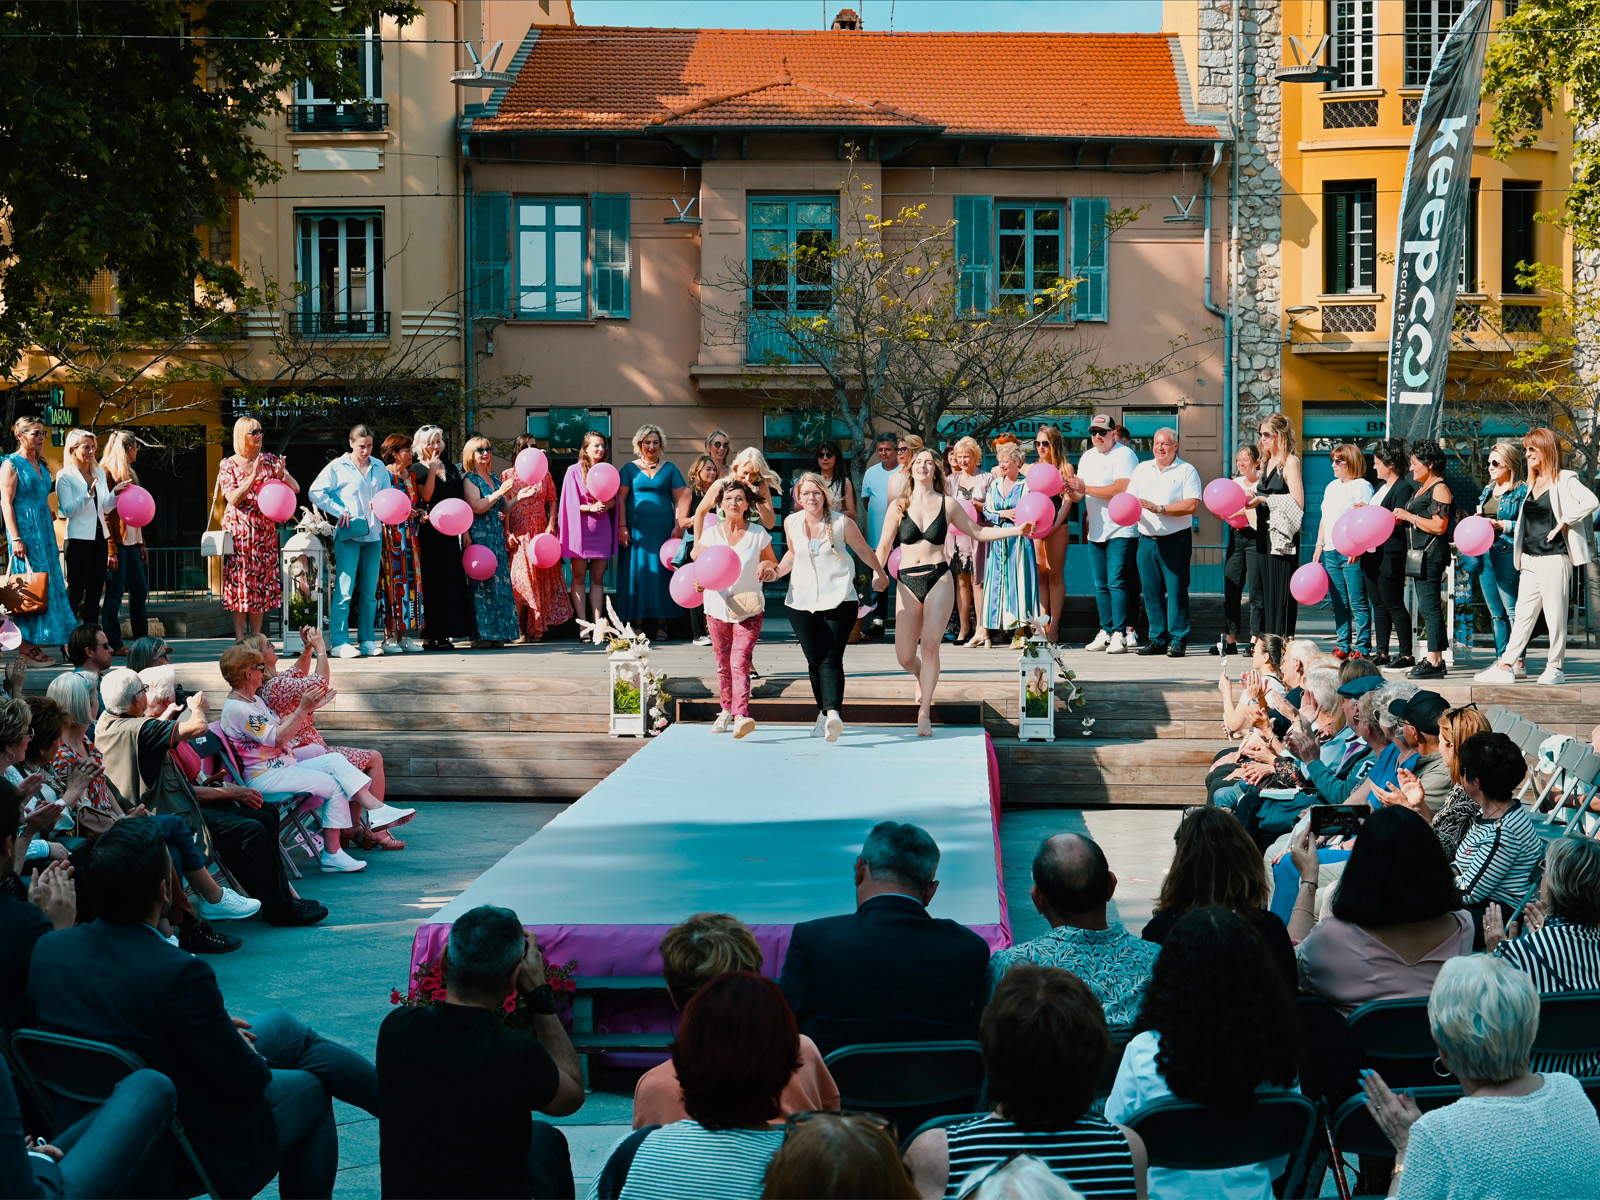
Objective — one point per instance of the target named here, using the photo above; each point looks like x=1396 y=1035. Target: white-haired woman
x=128 y=575
x=1557 y=942
x=494 y=604
x=750 y=467
x=446 y=602
x=1513 y=1133
x=31 y=539
x=83 y=498
x=252 y=582
x=822 y=603
x=1011 y=574
x=918 y=521
x=588 y=530
x=647 y=512
x=969 y=483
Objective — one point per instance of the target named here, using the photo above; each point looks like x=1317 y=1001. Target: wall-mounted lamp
x=1294 y=314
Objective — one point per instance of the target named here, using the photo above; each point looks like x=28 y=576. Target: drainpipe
x=468 y=365
x=1234 y=116
x=1227 y=326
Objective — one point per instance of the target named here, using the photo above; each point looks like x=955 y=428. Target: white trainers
x=1520 y=670
x=1101 y=641
x=1552 y=677
x=702 y=640
x=1130 y=640
x=411 y=645
x=723 y=723
x=743 y=726
x=386 y=815
x=340 y=860
x=820 y=727
x=834 y=727
x=372 y=649
x=231 y=907
x=390 y=646
x=1115 y=645
x=1495 y=674
x=346 y=651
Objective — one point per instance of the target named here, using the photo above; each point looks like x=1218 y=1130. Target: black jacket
x=887 y=972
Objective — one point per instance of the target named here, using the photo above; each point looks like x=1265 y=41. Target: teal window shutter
x=609 y=215
x=975 y=252
x=490 y=278
x=1090 y=256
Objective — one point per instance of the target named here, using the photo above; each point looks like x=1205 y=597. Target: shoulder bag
x=215 y=543
x=1416 y=564
x=25 y=591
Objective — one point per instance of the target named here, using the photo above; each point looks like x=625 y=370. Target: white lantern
x=630 y=695
x=304 y=566
x=1036 y=691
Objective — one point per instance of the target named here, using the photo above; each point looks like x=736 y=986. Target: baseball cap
x=1102 y=424
x=1356 y=688
x=1422 y=709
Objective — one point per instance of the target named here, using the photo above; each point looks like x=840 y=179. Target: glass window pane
x=569 y=302
x=569 y=258
x=533 y=301
x=533 y=214
x=769 y=214
x=1046 y=260
x=529 y=245
x=539 y=275
x=770 y=273
x=1013 y=218
x=814 y=215
x=768 y=244
x=569 y=214
x=1047 y=218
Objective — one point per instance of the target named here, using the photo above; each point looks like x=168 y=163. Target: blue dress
x=1011 y=572
x=492 y=598
x=645 y=586
x=37 y=529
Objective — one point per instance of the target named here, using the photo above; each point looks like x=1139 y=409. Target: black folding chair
x=1108 y=1073
x=293 y=807
x=921 y=1079
x=1398 y=1042
x=943 y=1122
x=1355 y=1133
x=75 y=1068
x=1569 y=1024
x=1181 y=1135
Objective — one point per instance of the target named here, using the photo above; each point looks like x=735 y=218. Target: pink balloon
x=1045 y=479
x=1344 y=537
x=452 y=517
x=669 y=551
x=893 y=565
x=391 y=506
x=717 y=567
x=137 y=507
x=1238 y=520
x=683 y=588
x=1124 y=509
x=603 y=481
x=1309 y=584
x=532 y=466
x=275 y=500
x=711 y=522
x=1037 y=509
x=1371 y=524
x=1224 y=497
x=545 y=550
x=1475 y=535
x=478 y=562
x=969 y=507
x=10 y=635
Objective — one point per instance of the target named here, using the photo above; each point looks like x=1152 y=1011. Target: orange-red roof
x=1068 y=85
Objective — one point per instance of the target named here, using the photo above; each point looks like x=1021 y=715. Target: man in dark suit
x=888 y=972
x=254 y=1097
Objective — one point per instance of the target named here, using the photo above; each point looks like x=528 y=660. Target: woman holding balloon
x=485 y=560
x=536 y=583
x=127 y=575
x=400 y=568
x=1428 y=550
x=1010 y=574
x=1279 y=499
x=252 y=581
x=1499 y=503
x=1385 y=565
x=1047 y=478
x=448 y=611
x=969 y=484
x=647 y=509
x=1340 y=557
x=732 y=559
x=588 y=525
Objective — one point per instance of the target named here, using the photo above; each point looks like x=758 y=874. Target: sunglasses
x=1456 y=712
x=1496 y=463
x=719 y=445
x=1094 y=433
x=825 y=454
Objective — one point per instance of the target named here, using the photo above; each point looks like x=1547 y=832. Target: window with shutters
x=1467 y=278
x=1427 y=23
x=1091 y=259
x=1350 y=246
x=313 y=112
x=1353 y=24
x=791 y=269
x=1009 y=252
x=341 y=270
x=1519 y=202
x=1030 y=254
x=550 y=272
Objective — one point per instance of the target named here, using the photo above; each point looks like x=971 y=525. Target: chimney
x=848 y=18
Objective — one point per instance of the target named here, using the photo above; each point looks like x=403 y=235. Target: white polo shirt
x=1101 y=469
x=1178 y=482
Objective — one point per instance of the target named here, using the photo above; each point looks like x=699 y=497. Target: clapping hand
x=1407 y=793
x=42 y=818
x=1302 y=745
x=55 y=895
x=1495 y=929
x=1395 y=1115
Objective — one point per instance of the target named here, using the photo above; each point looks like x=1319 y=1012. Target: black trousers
x=86 y=576
x=1430 y=601
x=1236 y=570
x=1385 y=574
x=823 y=637
x=247 y=843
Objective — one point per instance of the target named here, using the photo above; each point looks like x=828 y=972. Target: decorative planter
x=1036 y=692
x=304 y=565
x=630 y=695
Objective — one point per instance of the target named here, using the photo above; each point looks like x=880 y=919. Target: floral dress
x=542 y=599
x=282 y=693
x=37 y=529
x=97 y=794
x=251 y=578
x=492 y=598
x=1011 y=572
x=400 y=580
x=967 y=555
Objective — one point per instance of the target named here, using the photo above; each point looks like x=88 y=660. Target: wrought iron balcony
x=332 y=118
x=312 y=325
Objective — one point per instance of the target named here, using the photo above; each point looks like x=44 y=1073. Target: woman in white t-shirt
x=734 y=613
x=1352 y=615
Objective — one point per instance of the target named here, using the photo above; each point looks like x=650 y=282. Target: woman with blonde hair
x=647 y=508
x=1279 y=498
x=1352 y=616
x=588 y=531
x=252 y=582
x=400 y=571
x=717 y=447
x=1499 y=503
x=31 y=537
x=129 y=574
x=83 y=498
x=1051 y=550
x=1010 y=576
x=492 y=600
x=540 y=592
x=968 y=482
x=1548 y=542
x=750 y=466
x=447 y=604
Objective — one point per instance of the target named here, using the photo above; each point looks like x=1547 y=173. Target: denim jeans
x=129 y=577
x=1499 y=581
x=357 y=565
x=1164 y=579
x=1347 y=591
x=1108 y=568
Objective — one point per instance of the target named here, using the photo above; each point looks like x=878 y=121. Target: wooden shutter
x=609 y=217
x=1091 y=254
x=1336 y=246
x=490 y=278
x=975 y=252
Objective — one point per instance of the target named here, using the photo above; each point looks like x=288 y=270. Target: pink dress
x=1348 y=967
x=252 y=580
x=282 y=693
x=583 y=535
x=542 y=600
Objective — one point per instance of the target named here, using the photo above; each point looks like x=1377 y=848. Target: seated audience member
x=1336 y=783
x=253 y=1095
x=483 y=1140
x=1421 y=713
x=1455 y=816
x=89 y=652
x=1023 y=1178
x=1396 y=916
x=1216 y=863
x=1045 y=1043
x=148 y=652
x=1259 y=684
x=1496 y=859
x=1072 y=885
x=890 y=971
x=832 y=1155
x=25 y=917
x=693 y=954
x=735 y=1053
x=1220 y=1027
x=1513 y=1133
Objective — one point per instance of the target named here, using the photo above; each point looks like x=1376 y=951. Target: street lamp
x=1307 y=68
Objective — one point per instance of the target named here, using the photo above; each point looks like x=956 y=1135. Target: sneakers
x=1426 y=668
x=743 y=726
x=702 y=640
x=295 y=913
x=346 y=651
x=232 y=907
x=834 y=727
x=1130 y=639
x=1116 y=645
x=340 y=860
x=1401 y=662
x=372 y=649
x=390 y=646
x=821 y=727
x=386 y=815
x=200 y=938
x=411 y=645
x=1520 y=670
x=1553 y=677
x=1101 y=641
x=723 y=723
x=1495 y=674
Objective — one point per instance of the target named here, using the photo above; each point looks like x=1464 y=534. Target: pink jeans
x=734 y=642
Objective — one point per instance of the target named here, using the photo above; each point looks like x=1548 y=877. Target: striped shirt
x=1093 y=1155
x=1496 y=859
x=1560 y=957
x=686 y=1161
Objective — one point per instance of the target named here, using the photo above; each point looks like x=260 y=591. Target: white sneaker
x=232 y=907
x=1552 y=677
x=834 y=727
x=340 y=860
x=372 y=649
x=411 y=645
x=1130 y=640
x=1520 y=670
x=723 y=723
x=1101 y=641
x=390 y=646
x=1116 y=645
x=346 y=651
x=1495 y=674
x=702 y=640
x=386 y=815
x=820 y=727
x=743 y=726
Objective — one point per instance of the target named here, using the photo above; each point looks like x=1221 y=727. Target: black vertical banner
x=1433 y=221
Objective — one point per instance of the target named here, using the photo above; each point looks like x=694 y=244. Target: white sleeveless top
x=823 y=577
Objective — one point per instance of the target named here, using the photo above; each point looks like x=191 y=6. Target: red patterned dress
x=252 y=580
x=282 y=693
x=542 y=600
x=400 y=580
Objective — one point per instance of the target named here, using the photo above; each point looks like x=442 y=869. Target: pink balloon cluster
x=1362 y=530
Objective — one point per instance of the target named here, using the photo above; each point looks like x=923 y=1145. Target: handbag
x=357 y=528
x=90 y=822
x=1415 y=568
x=743 y=605
x=26 y=591
x=215 y=543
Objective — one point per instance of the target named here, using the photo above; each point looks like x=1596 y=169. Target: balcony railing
x=310 y=325
x=333 y=118
x=177 y=573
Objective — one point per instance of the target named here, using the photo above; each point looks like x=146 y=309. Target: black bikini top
x=909 y=532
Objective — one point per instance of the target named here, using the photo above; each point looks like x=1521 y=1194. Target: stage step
x=1086 y=772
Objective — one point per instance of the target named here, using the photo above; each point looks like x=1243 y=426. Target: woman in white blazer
x=83 y=498
x=1550 y=540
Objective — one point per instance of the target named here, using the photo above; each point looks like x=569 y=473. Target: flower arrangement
x=427 y=988
x=1039 y=646
x=646 y=687
x=1038 y=694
